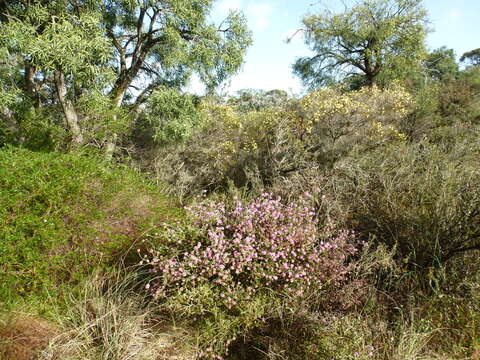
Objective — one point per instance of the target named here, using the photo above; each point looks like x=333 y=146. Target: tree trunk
x=69 y=112
x=30 y=87
x=111 y=144
x=117 y=94
x=29 y=80
x=8 y=118
x=120 y=87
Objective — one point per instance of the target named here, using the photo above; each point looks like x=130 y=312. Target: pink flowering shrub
x=243 y=249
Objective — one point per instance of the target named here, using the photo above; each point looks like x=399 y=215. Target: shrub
x=233 y=256
x=256 y=148
x=250 y=247
x=340 y=122
x=169 y=117
x=414 y=198
x=228 y=148
x=62 y=215
x=459 y=99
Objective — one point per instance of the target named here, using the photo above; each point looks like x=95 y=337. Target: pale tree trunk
x=8 y=118
x=71 y=116
x=118 y=93
x=29 y=79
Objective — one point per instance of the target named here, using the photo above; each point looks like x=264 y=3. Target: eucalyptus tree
x=52 y=52
x=374 y=41
x=122 y=51
x=164 y=42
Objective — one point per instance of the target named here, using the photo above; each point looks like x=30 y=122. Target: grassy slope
x=63 y=216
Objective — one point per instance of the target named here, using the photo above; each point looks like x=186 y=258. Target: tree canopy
x=441 y=64
x=246 y=100
x=63 y=53
x=472 y=57
x=371 y=42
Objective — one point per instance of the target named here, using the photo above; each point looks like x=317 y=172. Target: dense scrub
x=340 y=224
x=343 y=224
x=398 y=168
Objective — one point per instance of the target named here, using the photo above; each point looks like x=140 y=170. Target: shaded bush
x=416 y=199
x=169 y=117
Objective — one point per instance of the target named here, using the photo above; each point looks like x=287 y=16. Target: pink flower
x=243 y=245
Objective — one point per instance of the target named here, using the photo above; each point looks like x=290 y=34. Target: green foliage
x=50 y=41
x=84 y=58
x=181 y=41
x=62 y=216
x=42 y=42
x=459 y=100
x=372 y=42
x=441 y=64
x=395 y=163
x=169 y=117
x=416 y=199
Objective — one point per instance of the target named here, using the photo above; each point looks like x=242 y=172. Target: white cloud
x=259 y=15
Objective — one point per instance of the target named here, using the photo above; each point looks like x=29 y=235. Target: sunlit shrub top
x=372 y=105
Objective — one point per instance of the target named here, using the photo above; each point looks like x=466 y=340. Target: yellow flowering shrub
x=380 y=131
x=258 y=129
x=256 y=147
x=222 y=113
x=247 y=132
x=373 y=111
x=230 y=142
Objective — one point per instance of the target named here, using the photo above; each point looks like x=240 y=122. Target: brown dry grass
x=111 y=321
x=22 y=336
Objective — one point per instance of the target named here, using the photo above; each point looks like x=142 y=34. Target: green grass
x=63 y=216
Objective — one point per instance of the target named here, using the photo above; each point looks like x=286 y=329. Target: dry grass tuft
x=112 y=322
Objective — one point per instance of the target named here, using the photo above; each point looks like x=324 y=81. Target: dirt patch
x=22 y=337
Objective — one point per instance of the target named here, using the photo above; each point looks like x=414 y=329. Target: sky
x=268 y=62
